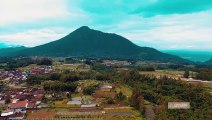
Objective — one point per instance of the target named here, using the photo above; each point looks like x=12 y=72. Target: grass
x=70 y=67
x=86 y=83
x=124 y=89
x=163 y=72
x=135 y=114
x=60 y=104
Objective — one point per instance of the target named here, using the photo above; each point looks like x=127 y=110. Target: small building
x=88 y=105
x=106 y=87
x=7 y=113
x=20 y=105
x=74 y=102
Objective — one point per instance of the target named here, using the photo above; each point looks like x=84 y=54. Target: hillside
x=4 y=52
x=192 y=55
x=209 y=62
x=86 y=42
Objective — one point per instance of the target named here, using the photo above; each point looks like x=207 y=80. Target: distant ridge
x=209 y=62
x=86 y=42
x=5 y=52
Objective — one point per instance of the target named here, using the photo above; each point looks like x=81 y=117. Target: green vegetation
x=120 y=96
x=89 y=90
x=59 y=86
x=86 y=42
x=14 y=63
x=110 y=100
x=205 y=74
x=163 y=90
x=186 y=74
x=145 y=68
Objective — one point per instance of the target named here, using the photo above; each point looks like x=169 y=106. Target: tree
x=109 y=100
x=141 y=104
x=135 y=95
x=120 y=96
x=68 y=95
x=89 y=90
x=186 y=74
x=45 y=61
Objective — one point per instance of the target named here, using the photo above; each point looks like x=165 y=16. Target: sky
x=162 y=24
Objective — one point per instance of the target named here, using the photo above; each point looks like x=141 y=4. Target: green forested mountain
x=86 y=42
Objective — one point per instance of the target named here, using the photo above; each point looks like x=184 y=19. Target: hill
x=209 y=62
x=4 y=52
x=86 y=42
x=192 y=55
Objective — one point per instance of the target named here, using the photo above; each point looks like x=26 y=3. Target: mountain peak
x=84 y=28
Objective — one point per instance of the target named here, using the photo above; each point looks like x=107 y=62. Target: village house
x=19 y=106
x=7 y=113
x=106 y=87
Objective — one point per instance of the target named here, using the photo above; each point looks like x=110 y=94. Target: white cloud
x=22 y=11
x=188 y=31
x=34 y=37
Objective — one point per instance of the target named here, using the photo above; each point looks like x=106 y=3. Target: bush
x=89 y=90
x=109 y=100
x=120 y=96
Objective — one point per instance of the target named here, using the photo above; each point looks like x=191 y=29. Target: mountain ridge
x=86 y=42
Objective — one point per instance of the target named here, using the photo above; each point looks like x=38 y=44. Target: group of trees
x=145 y=68
x=205 y=74
x=137 y=99
x=44 y=61
x=89 y=90
x=163 y=90
x=14 y=63
x=68 y=77
x=59 y=86
x=186 y=74
x=202 y=74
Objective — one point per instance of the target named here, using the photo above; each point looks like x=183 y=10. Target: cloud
x=33 y=38
x=24 y=11
x=164 y=7
x=163 y=24
x=185 y=31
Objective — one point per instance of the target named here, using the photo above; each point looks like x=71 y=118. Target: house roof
x=74 y=102
x=7 y=113
x=106 y=87
x=19 y=104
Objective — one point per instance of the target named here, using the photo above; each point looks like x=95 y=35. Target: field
x=41 y=115
x=71 y=67
x=171 y=73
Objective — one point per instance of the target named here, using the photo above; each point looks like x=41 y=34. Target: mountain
x=209 y=62
x=86 y=42
x=4 y=52
x=192 y=55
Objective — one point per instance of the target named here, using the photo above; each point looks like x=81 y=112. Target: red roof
x=19 y=104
